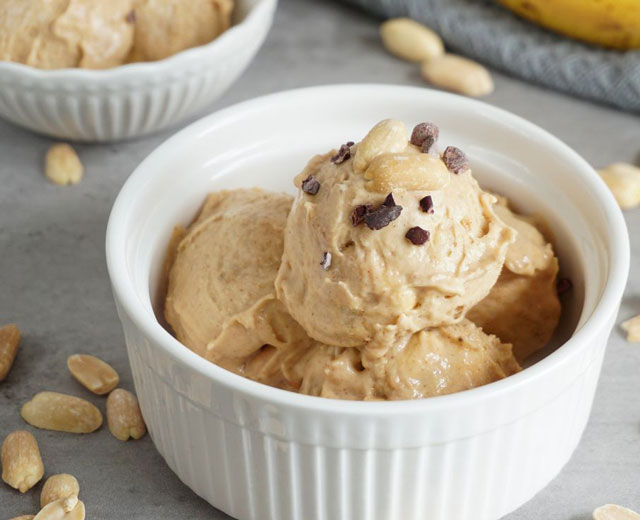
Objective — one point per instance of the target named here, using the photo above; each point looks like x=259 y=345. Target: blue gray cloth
x=487 y=32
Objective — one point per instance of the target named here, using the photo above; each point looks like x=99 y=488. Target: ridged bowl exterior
x=256 y=461
x=136 y=99
x=258 y=452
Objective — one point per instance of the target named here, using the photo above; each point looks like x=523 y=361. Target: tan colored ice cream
x=165 y=27
x=53 y=34
x=221 y=303
x=99 y=34
x=221 y=299
x=435 y=361
x=361 y=269
x=523 y=306
x=379 y=282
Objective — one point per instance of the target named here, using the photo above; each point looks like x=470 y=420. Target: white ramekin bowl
x=257 y=452
x=134 y=99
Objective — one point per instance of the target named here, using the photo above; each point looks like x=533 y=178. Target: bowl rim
x=618 y=259
x=127 y=71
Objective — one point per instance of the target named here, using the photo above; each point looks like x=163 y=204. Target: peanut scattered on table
x=59 y=486
x=9 y=344
x=62 y=165
x=458 y=74
x=22 y=466
x=624 y=182
x=94 y=374
x=632 y=328
x=614 y=512
x=410 y=40
x=69 y=508
x=61 y=412
x=124 y=416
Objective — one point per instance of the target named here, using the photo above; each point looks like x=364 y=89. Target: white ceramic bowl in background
x=260 y=453
x=138 y=98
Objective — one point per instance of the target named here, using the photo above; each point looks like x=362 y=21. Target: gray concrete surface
x=53 y=279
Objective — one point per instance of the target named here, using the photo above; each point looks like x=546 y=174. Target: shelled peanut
x=624 y=182
x=410 y=40
x=69 y=508
x=124 y=417
x=61 y=412
x=93 y=373
x=9 y=344
x=59 y=486
x=62 y=166
x=614 y=512
x=22 y=466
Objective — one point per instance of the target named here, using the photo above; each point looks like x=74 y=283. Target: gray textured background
x=53 y=279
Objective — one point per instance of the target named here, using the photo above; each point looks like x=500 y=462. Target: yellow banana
x=612 y=23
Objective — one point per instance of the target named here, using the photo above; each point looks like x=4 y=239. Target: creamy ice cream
x=221 y=303
x=413 y=242
x=165 y=27
x=379 y=282
x=434 y=361
x=98 y=34
x=220 y=298
x=523 y=306
x=53 y=34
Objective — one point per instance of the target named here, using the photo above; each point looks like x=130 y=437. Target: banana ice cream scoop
x=434 y=361
x=99 y=34
x=221 y=303
x=386 y=238
x=221 y=299
x=165 y=27
x=54 y=34
x=523 y=306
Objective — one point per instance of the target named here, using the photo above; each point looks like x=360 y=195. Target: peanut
x=22 y=466
x=410 y=40
x=458 y=74
x=632 y=328
x=69 y=508
x=387 y=136
x=613 y=512
x=9 y=343
x=61 y=412
x=409 y=171
x=62 y=165
x=124 y=416
x=23 y=517
x=57 y=487
x=93 y=373
x=624 y=182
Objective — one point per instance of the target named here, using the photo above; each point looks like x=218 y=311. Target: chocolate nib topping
x=388 y=201
x=455 y=159
x=357 y=217
x=428 y=143
x=310 y=185
x=343 y=154
x=426 y=204
x=425 y=135
x=383 y=215
x=326 y=260
x=417 y=236
x=563 y=285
